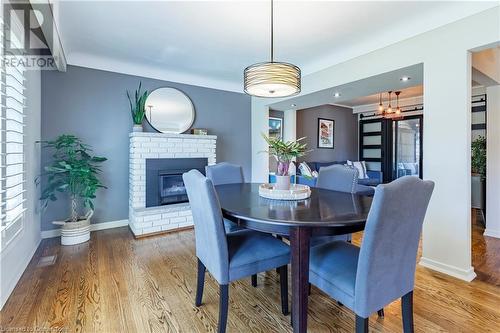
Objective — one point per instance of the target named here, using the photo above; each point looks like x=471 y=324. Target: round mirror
x=169 y=110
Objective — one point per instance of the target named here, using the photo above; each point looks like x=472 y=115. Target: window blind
x=12 y=150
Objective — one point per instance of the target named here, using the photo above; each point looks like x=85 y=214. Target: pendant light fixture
x=380 y=106
x=388 y=112
x=272 y=79
x=389 y=107
x=398 y=109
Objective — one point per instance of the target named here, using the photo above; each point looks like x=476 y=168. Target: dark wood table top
x=324 y=208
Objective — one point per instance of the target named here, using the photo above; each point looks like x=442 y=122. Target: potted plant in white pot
x=138 y=108
x=478 y=168
x=284 y=153
x=74 y=171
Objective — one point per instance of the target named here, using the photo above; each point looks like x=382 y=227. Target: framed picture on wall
x=275 y=127
x=326 y=133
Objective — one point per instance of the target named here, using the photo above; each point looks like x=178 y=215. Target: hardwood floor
x=485 y=252
x=115 y=283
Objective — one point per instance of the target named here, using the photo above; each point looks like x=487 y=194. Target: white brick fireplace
x=150 y=220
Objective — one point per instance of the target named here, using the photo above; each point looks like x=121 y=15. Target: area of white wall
x=16 y=256
x=446 y=234
x=493 y=162
x=290 y=120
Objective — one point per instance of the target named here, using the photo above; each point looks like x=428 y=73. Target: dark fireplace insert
x=164 y=185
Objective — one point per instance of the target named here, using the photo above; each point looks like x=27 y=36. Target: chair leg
x=254 y=280
x=280 y=238
x=381 y=313
x=200 y=283
x=223 y=307
x=284 y=289
x=361 y=324
x=407 y=309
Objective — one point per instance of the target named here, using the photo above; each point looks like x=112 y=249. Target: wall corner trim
x=492 y=233
x=466 y=275
x=93 y=227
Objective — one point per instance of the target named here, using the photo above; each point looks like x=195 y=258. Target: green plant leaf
x=73 y=170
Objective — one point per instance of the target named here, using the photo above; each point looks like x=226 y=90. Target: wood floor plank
x=116 y=283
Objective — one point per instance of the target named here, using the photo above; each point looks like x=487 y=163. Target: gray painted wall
x=345 y=135
x=92 y=105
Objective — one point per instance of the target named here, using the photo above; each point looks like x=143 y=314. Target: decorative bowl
x=296 y=192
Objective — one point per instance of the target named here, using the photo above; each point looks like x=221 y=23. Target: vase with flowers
x=284 y=153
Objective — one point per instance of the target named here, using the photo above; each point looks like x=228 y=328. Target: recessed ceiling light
x=293 y=105
x=405 y=78
x=337 y=94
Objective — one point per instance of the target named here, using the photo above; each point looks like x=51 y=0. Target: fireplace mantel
x=145 y=221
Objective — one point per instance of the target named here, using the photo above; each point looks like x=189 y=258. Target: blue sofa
x=375 y=177
x=365 y=186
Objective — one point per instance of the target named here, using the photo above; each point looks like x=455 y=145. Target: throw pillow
x=305 y=170
x=360 y=166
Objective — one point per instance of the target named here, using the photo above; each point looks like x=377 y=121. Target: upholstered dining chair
x=340 y=178
x=225 y=173
x=368 y=278
x=228 y=173
x=229 y=257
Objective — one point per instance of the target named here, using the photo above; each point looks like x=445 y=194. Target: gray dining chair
x=229 y=257
x=340 y=178
x=368 y=278
x=228 y=173
x=225 y=173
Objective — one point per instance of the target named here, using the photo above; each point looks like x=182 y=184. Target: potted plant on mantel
x=138 y=108
x=73 y=170
x=478 y=168
x=284 y=153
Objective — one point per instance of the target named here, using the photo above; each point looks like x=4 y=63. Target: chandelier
x=389 y=112
x=272 y=79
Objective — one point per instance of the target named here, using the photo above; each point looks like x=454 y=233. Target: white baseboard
x=466 y=275
x=93 y=227
x=492 y=233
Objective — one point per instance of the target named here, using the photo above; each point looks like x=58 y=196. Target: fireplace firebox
x=164 y=185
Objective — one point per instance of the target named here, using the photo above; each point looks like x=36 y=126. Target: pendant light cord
x=272 y=31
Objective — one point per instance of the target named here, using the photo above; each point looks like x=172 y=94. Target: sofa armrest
x=311 y=182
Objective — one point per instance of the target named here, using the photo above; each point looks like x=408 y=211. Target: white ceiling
x=358 y=92
x=415 y=91
x=209 y=43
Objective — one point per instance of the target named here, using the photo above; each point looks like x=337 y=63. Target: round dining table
x=325 y=212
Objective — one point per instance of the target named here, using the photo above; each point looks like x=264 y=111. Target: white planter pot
x=478 y=192
x=75 y=232
x=282 y=182
x=137 y=128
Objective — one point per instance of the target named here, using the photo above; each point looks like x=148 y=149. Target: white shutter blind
x=12 y=168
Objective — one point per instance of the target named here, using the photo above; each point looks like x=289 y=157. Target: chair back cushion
x=210 y=237
x=338 y=178
x=387 y=259
x=224 y=173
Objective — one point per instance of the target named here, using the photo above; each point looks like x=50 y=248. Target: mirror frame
x=188 y=98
